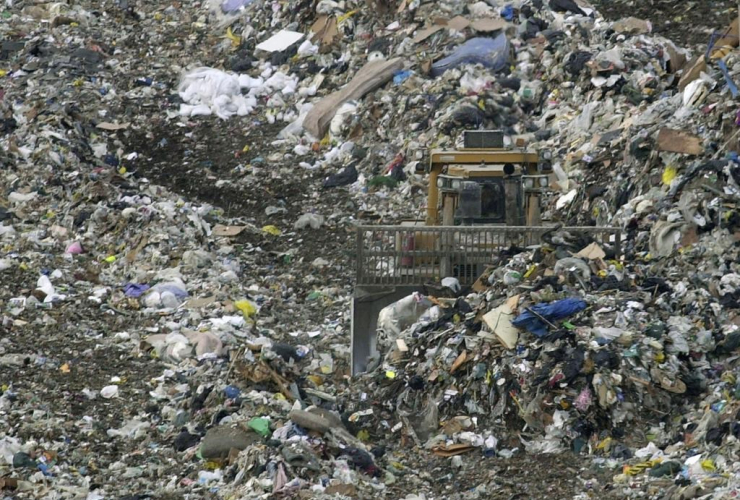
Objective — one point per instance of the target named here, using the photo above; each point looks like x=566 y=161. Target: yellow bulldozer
x=481 y=198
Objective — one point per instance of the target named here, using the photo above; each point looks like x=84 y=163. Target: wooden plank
x=679 y=141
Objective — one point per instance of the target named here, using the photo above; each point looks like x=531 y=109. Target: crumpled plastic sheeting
x=492 y=53
x=552 y=311
x=229 y=6
x=207 y=91
x=403 y=313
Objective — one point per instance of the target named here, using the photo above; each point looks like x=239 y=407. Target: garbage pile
x=182 y=183
x=555 y=351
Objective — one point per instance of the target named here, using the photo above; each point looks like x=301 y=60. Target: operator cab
x=486 y=183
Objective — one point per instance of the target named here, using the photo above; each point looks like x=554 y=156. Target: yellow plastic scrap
x=633 y=470
x=659 y=357
x=247 y=308
x=271 y=230
x=518 y=404
x=235 y=40
x=604 y=444
x=708 y=465
x=617 y=265
x=390 y=374
x=669 y=174
x=363 y=435
x=482 y=104
x=728 y=377
x=325 y=141
x=110 y=259
x=530 y=271
x=346 y=16
x=3 y=73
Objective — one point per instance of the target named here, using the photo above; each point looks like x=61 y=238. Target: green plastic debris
x=383 y=181
x=260 y=425
x=665 y=469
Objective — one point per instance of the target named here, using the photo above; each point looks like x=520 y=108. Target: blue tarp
x=492 y=53
x=551 y=311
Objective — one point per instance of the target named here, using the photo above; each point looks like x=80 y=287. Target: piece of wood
x=367 y=79
x=461 y=359
x=220 y=230
x=679 y=141
x=488 y=25
x=481 y=284
x=131 y=256
x=112 y=127
x=633 y=26
x=325 y=30
x=694 y=71
x=196 y=303
x=728 y=38
x=452 y=450
x=425 y=33
x=591 y=252
x=458 y=23
x=401 y=344
x=676 y=59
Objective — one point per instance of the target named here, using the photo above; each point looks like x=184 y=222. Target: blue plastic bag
x=135 y=290
x=551 y=311
x=229 y=6
x=492 y=53
x=401 y=76
x=508 y=12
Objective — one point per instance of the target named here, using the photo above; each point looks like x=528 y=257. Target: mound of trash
x=183 y=184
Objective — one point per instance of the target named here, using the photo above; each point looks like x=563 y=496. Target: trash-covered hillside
x=182 y=184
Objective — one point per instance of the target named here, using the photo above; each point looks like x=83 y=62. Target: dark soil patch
x=685 y=23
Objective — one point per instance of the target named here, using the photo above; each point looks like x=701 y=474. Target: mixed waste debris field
x=182 y=186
